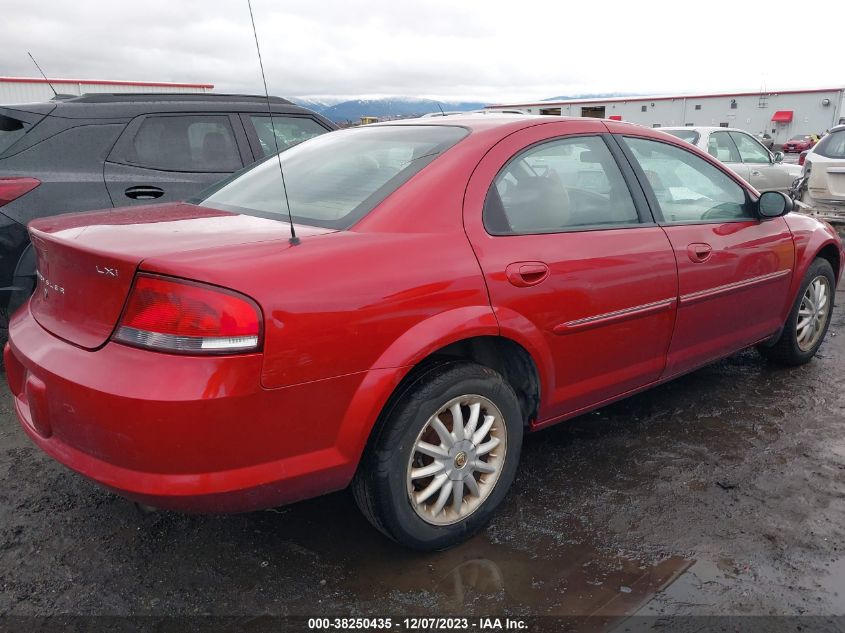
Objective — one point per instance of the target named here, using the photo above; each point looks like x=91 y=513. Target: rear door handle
x=699 y=252
x=524 y=274
x=144 y=193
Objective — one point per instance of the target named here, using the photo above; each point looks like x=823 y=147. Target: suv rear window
x=333 y=180
x=832 y=145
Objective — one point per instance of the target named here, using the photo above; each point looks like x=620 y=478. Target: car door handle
x=699 y=252
x=144 y=193
x=754 y=172
x=524 y=274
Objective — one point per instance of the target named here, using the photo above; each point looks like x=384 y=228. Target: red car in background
x=454 y=285
x=799 y=143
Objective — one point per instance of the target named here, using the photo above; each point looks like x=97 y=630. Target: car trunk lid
x=86 y=262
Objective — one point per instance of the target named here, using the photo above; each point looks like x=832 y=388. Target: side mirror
x=773 y=204
x=778 y=156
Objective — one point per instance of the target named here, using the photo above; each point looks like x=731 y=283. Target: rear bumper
x=186 y=433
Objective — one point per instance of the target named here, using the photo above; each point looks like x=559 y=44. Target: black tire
x=785 y=350
x=380 y=486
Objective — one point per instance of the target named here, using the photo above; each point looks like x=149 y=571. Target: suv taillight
x=802 y=157
x=172 y=315
x=14 y=188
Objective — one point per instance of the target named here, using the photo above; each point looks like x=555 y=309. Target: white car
x=743 y=154
x=822 y=187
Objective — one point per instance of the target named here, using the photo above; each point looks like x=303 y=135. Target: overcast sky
x=491 y=51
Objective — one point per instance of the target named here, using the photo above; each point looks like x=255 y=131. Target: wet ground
x=722 y=492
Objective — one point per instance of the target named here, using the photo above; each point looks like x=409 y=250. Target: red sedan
x=454 y=284
x=799 y=143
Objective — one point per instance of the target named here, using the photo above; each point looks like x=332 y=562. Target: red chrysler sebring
x=454 y=284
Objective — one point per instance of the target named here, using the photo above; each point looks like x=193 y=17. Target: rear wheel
x=444 y=458
x=808 y=320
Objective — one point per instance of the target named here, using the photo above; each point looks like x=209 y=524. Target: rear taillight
x=186 y=317
x=14 y=188
x=802 y=157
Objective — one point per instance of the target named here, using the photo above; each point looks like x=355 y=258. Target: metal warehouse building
x=781 y=114
x=33 y=90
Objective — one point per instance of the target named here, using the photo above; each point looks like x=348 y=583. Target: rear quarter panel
x=70 y=168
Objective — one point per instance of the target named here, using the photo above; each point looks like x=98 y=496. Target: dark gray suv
x=113 y=150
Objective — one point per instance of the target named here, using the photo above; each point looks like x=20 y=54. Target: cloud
x=492 y=50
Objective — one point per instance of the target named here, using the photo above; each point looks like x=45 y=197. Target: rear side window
x=333 y=180
x=11 y=131
x=687 y=187
x=562 y=185
x=832 y=145
x=720 y=146
x=289 y=131
x=196 y=143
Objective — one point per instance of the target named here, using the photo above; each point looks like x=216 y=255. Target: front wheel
x=444 y=458
x=808 y=320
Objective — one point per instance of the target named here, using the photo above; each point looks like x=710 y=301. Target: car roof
x=121 y=105
x=491 y=120
x=703 y=128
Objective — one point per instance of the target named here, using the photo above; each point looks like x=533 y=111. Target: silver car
x=743 y=154
x=822 y=188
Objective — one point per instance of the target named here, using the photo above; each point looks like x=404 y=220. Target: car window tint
x=721 y=147
x=832 y=145
x=289 y=131
x=186 y=143
x=557 y=186
x=687 y=187
x=750 y=150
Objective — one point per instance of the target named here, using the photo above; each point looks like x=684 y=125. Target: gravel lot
x=722 y=492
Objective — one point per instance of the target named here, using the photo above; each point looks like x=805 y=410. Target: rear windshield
x=11 y=131
x=335 y=179
x=690 y=136
x=832 y=145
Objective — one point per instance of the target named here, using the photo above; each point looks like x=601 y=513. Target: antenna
x=441 y=109
x=294 y=240
x=55 y=94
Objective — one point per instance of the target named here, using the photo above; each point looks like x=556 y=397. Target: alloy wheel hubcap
x=813 y=313
x=456 y=460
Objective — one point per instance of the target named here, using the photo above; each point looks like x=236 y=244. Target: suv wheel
x=444 y=459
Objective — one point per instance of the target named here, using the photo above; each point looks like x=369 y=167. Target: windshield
x=799 y=137
x=690 y=136
x=335 y=179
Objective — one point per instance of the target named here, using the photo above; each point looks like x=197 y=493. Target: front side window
x=688 y=188
x=289 y=130
x=192 y=143
x=333 y=180
x=561 y=185
x=832 y=145
x=750 y=150
x=721 y=147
